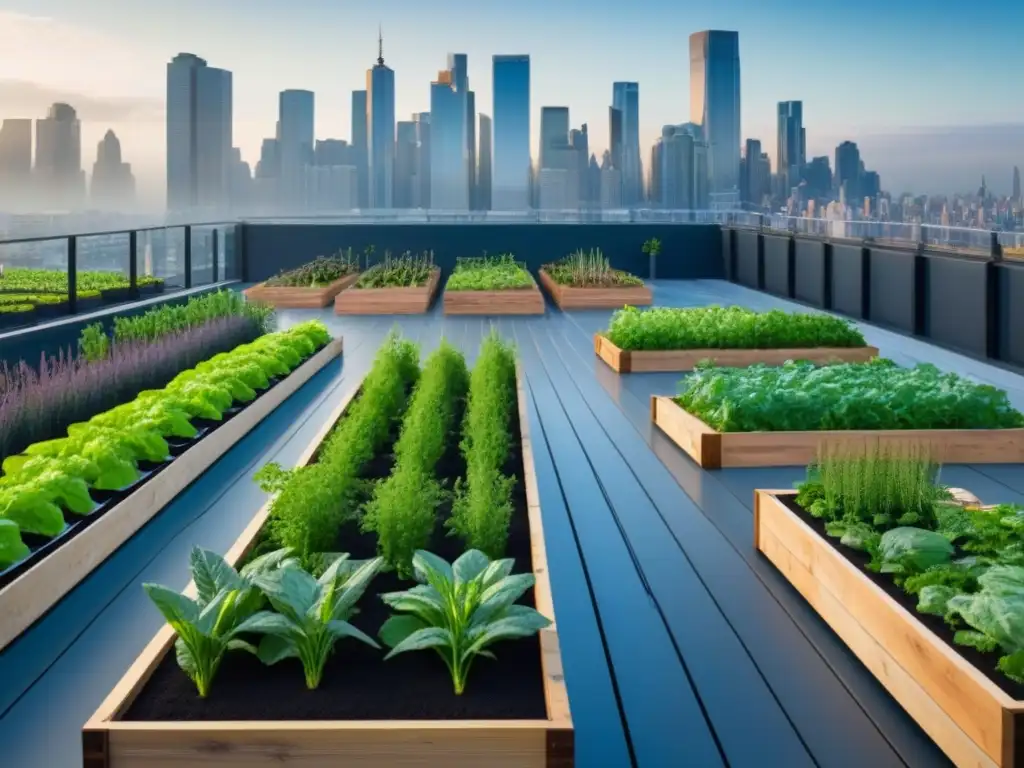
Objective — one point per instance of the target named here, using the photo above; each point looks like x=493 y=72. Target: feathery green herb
x=407 y=271
x=498 y=273
x=589 y=270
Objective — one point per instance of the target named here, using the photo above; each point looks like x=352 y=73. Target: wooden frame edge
x=361 y=297
x=42 y=587
x=567 y=297
x=299 y=297
x=457 y=306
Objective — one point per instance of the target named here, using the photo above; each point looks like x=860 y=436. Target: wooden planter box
x=972 y=720
x=712 y=449
x=34 y=592
x=662 y=361
x=108 y=742
x=512 y=301
x=569 y=297
x=388 y=301
x=299 y=298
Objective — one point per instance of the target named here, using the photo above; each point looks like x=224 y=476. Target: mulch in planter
x=357 y=683
x=985 y=663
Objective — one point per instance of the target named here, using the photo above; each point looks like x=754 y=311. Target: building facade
x=715 y=103
x=511 y=172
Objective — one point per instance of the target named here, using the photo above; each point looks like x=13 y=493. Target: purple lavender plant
x=41 y=404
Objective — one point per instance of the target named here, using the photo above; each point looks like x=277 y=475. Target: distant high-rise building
x=1016 y=183
x=269 y=165
x=679 y=168
x=751 y=185
x=295 y=143
x=554 y=136
x=458 y=69
x=332 y=152
x=579 y=141
x=557 y=189
x=241 y=181
x=15 y=164
x=483 y=174
x=626 y=99
x=361 y=146
x=199 y=134
x=611 y=183
x=421 y=187
x=510 y=180
x=59 y=174
x=113 y=185
x=847 y=174
x=818 y=175
x=405 y=164
x=790 y=157
x=615 y=137
x=715 y=103
x=331 y=187
x=380 y=100
x=449 y=177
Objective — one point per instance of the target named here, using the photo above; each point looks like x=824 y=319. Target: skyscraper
x=405 y=164
x=791 y=156
x=421 y=188
x=199 y=134
x=715 y=103
x=626 y=99
x=449 y=175
x=380 y=100
x=1016 y=183
x=554 y=136
x=847 y=175
x=510 y=180
x=558 y=168
x=615 y=137
x=458 y=67
x=295 y=143
x=483 y=179
x=59 y=158
x=113 y=185
x=361 y=146
x=15 y=164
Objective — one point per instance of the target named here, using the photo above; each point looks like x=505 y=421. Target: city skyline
x=129 y=105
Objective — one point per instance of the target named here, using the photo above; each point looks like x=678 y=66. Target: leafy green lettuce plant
x=995 y=615
x=311 y=615
x=460 y=610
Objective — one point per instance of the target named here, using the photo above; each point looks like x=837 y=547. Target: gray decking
x=681 y=646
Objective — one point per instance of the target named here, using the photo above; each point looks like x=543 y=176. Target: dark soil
x=986 y=663
x=357 y=683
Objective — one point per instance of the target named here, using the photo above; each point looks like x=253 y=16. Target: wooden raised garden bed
x=661 y=361
x=972 y=719
x=610 y=297
x=388 y=301
x=287 y=297
x=512 y=301
x=46 y=580
x=712 y=449
x=113 y=740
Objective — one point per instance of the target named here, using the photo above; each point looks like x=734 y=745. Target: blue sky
x=865 y=70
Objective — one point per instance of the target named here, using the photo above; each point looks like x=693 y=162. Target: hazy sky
x=931 y=89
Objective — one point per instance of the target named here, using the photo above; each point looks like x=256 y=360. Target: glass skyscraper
x=360 y=147
x=449 y=173
x=510 y=180
x=626 y=99
x=715 y=103
x=380 y=102
x=791 y=157
x=295 y=142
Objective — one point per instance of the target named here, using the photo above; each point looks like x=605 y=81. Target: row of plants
x=961 y=565
x=592 y=269
x=405 y=271
x=318 y=273
x=107 y=454
x=39 y=401
x=490 y=273
x=296 y=600
x=877 y=395
x=38 y=281
x=665 y=328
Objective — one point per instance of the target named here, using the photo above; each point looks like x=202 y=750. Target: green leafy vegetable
x=12 y=548
x=499 y=273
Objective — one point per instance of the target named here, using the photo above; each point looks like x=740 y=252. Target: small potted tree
x=652 y=248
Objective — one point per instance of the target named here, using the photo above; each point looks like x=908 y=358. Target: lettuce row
x=103 y=453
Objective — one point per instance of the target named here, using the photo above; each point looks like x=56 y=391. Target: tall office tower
x=579 y=140
x=611 y=183
x=558 y=175
x=331 y=152
x=818 y=175
x=483 y=173
x=715 y=103
x=474 y=192
x=790 y=155
x=449 y=177
x=1016 y=182
x=380 y=101
x=361 y=146
x=656 y=193
x=405 y=164
x=113 y=185
x=615 y=137
x=749 y=183
x=458 y=67
x=295 y=144
x=511 y=177
x=847 y=175
x=554 y=137
x=626 y=99
x=199 y=134
x=680 y=155
x=242 y=188
x=421 y=186
x=15 y=164
x=59 y=171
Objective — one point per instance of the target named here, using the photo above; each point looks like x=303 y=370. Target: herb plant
x=460 y=610
x=652 y=247
x=666 y=328
x=322 y=271
x=589 y=270
x=40 y=281
x=94 y=344
x=402 y=511
x=211 y=624
x=483 y=502
x=799 y=396
x=310 y=615
x=199 y=310
x=497 y=273
x=406 y=271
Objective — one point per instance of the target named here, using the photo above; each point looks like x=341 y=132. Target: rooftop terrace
x=681 y=644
